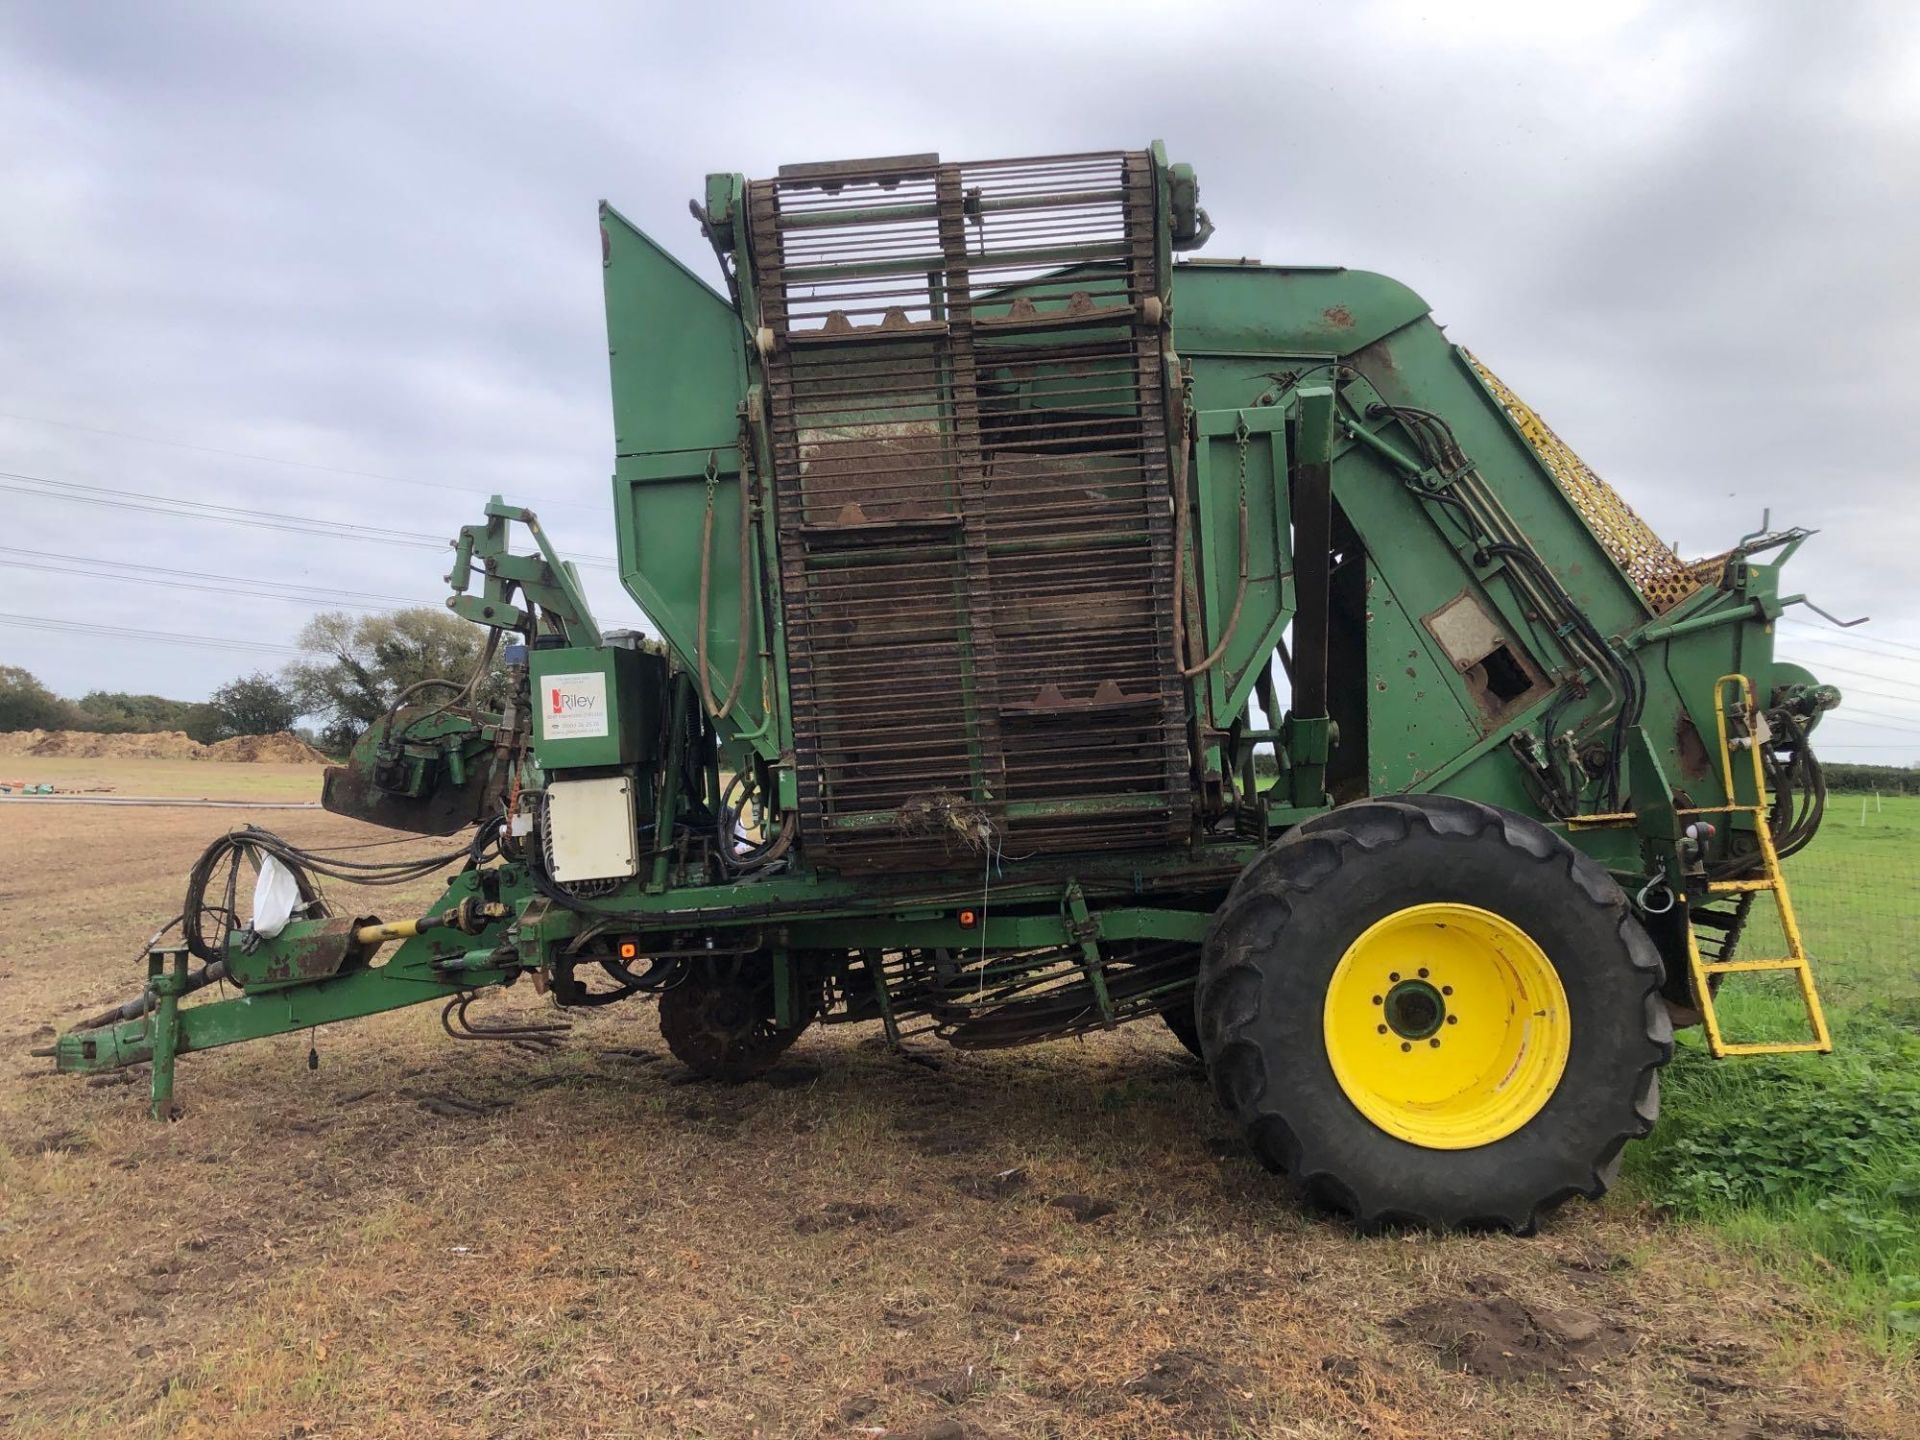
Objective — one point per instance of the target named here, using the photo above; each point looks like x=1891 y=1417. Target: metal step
x=1772 y=881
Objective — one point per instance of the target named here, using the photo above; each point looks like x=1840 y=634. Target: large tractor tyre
x=1434 y=1012
x=1337 y=817
x=719 y=1021
x=1185 y=1024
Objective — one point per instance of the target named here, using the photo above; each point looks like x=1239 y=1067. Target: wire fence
x=1856 y=894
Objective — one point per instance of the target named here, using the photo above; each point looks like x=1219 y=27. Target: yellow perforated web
x=1655 y=569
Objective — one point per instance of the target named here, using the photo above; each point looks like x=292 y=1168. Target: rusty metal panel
x=970 y=454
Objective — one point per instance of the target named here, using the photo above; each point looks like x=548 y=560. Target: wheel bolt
x=1451 y=1020
x=1424 y=972
x=1446 y=989
x=1406 y=1045
x=1381 y=1028
x=1434 y=1043
x=1394 y=977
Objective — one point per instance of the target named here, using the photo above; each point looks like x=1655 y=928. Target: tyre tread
x=1262 y=900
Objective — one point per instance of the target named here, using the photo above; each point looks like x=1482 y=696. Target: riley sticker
x=573 y=707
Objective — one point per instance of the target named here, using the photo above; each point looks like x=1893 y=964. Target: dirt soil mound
x=284 y=748
x=281 y=749
x=1498 y=1337
x=20 y=742
x=86 y=745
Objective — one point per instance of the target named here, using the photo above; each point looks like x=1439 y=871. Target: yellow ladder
x=1771 y=881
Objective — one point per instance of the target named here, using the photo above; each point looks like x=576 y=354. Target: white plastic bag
x=275 y=897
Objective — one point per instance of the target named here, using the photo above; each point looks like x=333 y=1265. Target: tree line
x=250 y=705
x=1862 y=779
x=351 y=669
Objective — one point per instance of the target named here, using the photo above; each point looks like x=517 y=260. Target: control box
x=590 y=832
x=595 y=706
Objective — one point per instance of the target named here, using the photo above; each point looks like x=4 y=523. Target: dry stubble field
x=424 y=1238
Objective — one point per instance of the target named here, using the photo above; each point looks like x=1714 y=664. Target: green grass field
x=1857 y=888
x=1814 y=1161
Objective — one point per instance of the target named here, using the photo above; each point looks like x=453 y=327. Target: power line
x=1844 y=713
x=115 y=566
x=203 y=510
x=118 y=565
x=1800 y=624
x=1881 y=651
x=112 y=498
x=1867 y=718
x=277 y=460
x=84 y=627
x=261 y=589
x=1852 y=690
x=1869 y=675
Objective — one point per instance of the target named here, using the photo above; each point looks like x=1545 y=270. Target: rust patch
x=1338 y=316
x=1374 y=361
x=1694 y=759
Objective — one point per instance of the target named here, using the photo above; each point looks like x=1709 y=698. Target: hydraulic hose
x=1182 y=643
x=1180 y=649
x=1239 y=602
x=1631 y=696
x=1499 y=534
x=233 y=849
x=759 y=855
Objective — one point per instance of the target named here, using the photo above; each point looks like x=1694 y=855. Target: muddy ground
x=424 y=1238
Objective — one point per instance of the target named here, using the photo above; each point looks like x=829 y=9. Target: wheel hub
x=1414 y=1009
x=1446 y=1026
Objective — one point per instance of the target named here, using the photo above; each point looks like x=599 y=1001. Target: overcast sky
x=360 y=240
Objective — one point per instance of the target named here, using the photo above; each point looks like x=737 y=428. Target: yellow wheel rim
x=1447 y=1026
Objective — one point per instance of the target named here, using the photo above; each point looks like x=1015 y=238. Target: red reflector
x=969 y=919
x=628 y=950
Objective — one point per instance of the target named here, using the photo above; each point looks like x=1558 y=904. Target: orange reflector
x=628 y=950
x=969 y=919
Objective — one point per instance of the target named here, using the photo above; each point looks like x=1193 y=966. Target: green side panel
x=1416 y=716
x=678 y=358
x=1428 y=579
x=1241 y=452
x=1252 y=328
x=660 y=521
x=1440 y=659
x=675 y=347
x=1267 y=310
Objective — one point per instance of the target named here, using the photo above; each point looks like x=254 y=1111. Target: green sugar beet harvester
x=1047 y=635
